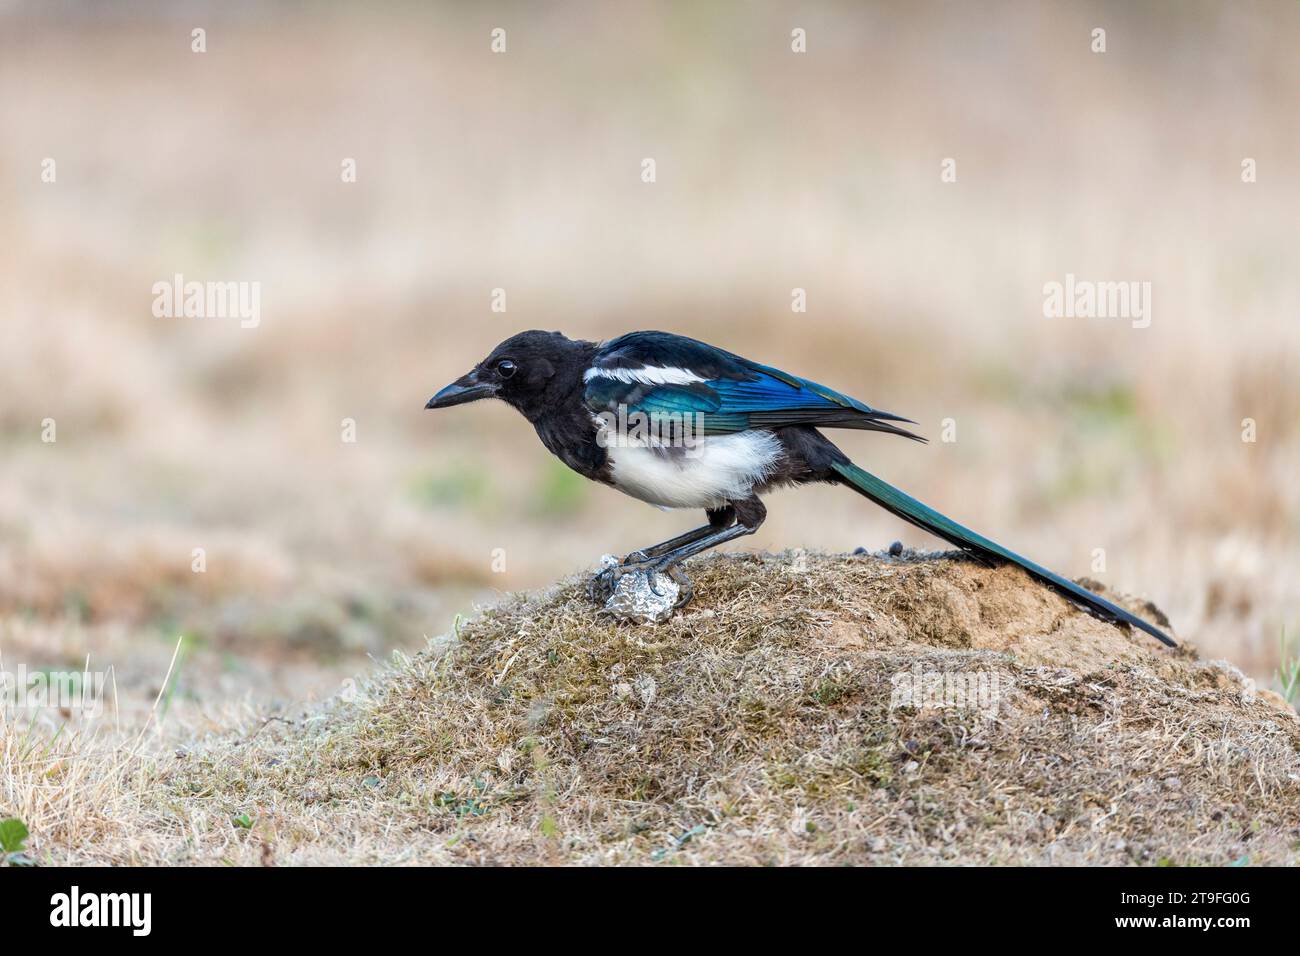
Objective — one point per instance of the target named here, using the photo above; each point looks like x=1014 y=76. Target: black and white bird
x=682 y=424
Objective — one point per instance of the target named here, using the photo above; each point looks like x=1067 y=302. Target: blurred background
x=521 y=171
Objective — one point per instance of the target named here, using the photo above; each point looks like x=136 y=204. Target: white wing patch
x=718 y=469
x=649 y=375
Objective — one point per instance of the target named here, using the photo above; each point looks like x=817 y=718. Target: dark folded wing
x=668 y=378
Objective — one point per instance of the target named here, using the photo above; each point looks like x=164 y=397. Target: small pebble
x=896 y=548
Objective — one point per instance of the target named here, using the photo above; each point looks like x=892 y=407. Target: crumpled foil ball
x=633 y=600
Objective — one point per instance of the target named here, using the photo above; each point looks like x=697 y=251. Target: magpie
x=678 y=423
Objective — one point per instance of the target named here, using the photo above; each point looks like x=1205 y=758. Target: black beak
x=465 y=389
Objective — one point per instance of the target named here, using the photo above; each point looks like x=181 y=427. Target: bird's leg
x=749 y=514
x=602 y=585
x=670 y=563
x=718 y=518
x=671 y=559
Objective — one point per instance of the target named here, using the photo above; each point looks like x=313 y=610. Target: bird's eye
x=506 y=368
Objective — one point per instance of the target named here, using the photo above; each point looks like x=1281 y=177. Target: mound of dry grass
x=815 y=709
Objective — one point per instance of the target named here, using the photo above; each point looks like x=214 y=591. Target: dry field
x=795 y=715
x=521 y=171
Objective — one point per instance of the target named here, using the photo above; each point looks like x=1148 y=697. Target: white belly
x=720 y=468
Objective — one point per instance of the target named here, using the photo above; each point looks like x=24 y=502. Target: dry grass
x=755 y=728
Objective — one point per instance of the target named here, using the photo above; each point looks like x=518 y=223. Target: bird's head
x=524 y=371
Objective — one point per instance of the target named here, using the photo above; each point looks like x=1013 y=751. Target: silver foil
x=633 y=599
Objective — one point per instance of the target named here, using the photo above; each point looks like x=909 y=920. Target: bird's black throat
x=558 y=412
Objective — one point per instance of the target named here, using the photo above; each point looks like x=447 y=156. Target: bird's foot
x=685 y=590
x=604 y=582
x=640 y=589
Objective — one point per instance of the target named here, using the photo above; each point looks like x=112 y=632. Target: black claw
x=603 y=584
x=685 y=590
